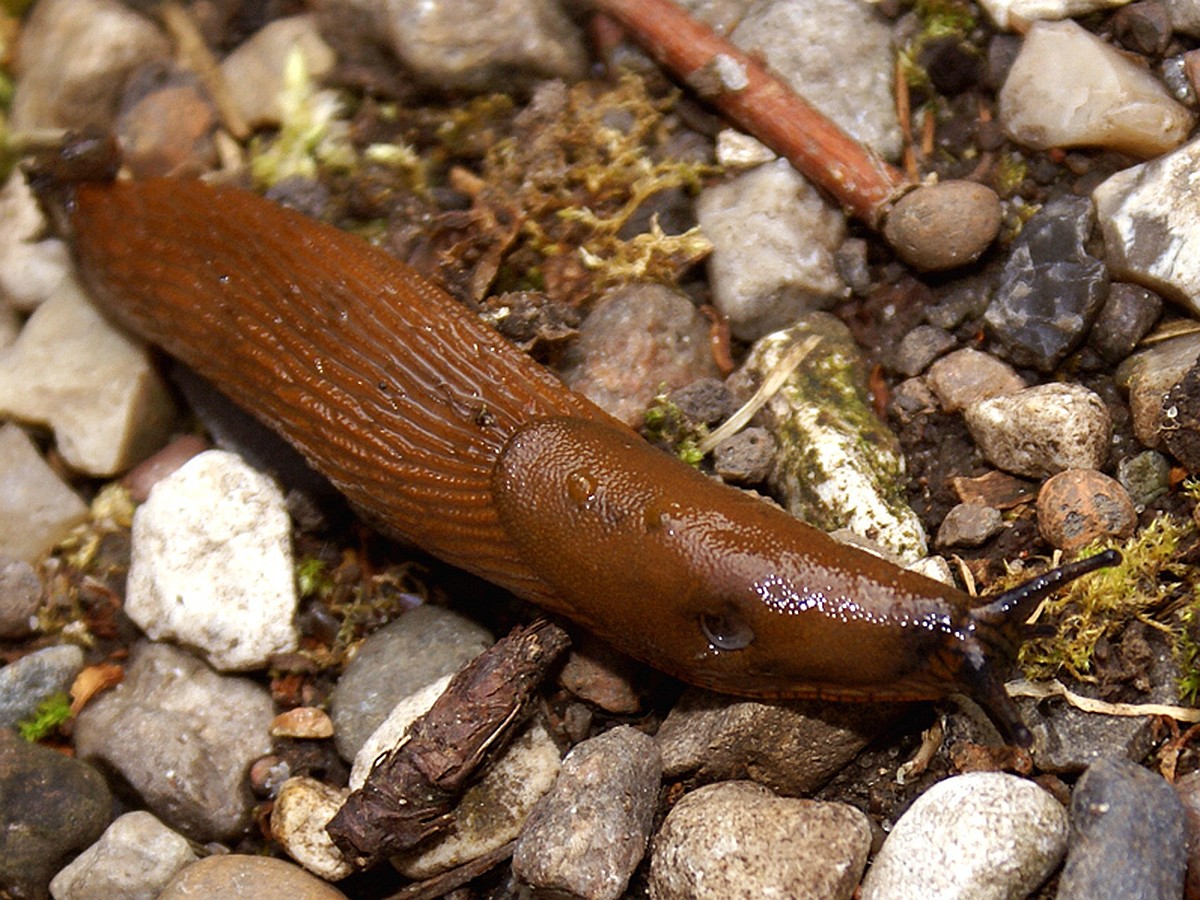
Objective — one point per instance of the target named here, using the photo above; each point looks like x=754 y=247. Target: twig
x=412 y=790
x=927 y=232
x=200 y=59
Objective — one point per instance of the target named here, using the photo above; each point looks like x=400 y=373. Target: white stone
x=838 y=55
x=92 y=384
x=774 y=240
x=1107 y=101
x=1150 y=217
x=133 y=860
x=211 y=564
x=31 y=265
x=736 y=150
x=1042 y=430
x=255 y=70
x=36 y=509
x=985 y=835
x=1017 y=15
x=302 y=809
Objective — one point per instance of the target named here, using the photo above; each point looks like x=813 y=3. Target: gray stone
x=183 y=737
x=51 y=807
x=211 y=565
x=1126 y=317
x=26 y=682
x=1042 y=430
x=792 y=747
x=745 y=457
x=588 y=834
x=637 y=341
x=31 y=265
x=1185 y=16
x=36 y=509
x=239 y=877
x=1052 y=288
x=969 y=525
x=919 y=348
x=20 y=597
x=737 y=839
x=399 y=659
x=775 y=241
x=985 y=835
x=967 y=376
x=133 y=860
x=1128 y=836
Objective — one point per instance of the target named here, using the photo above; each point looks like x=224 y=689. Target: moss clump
x=1150 y=581
x=51 y=713
x=666 y=424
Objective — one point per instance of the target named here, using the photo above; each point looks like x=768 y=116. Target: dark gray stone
x=920 y=347
x=1051 y=289
x=1126 y=317
x=969 y=525
x=745 y=457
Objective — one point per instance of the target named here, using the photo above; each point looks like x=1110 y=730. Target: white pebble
x=212 y=563
x=301 y=812
x=36 y=509
x=1017 y=15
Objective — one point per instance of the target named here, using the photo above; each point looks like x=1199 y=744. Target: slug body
x=440 y=432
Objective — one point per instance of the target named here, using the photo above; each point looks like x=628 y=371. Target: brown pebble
x=597 y=673
x=166 y=126
x=940 y=226
x=302 y=722
x=1079 y=506
x=146 y=474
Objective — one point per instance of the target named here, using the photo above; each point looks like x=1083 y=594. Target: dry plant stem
x=745 y=91
x=199 y=58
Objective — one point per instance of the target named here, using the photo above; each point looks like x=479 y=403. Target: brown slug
x=439 y=431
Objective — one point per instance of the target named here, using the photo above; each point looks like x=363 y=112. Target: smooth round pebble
x=1128 y=836
x=1042 y=430
x=940 y=226
x=967 y=376
x=736 y=839
x=238 y=877
x=1079 y=506
x=985 y=835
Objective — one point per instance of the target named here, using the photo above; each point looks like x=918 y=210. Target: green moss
x=1151 y=579
x=1010 y=173
x=664 y=423
x=51 y=713
x=313 y=579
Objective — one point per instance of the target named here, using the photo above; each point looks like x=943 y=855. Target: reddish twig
x=868 y=186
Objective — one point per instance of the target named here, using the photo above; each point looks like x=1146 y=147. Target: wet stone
x=1126 y=317
x=1079 y=506
x=1052 y=289
x=920 y=347
x=51 y=807
x=1128 y=836
x=969 y=525
x=26 y=682
x=745 y=457
x=604 y=798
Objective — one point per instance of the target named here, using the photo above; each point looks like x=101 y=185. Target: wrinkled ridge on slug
x=199 y=270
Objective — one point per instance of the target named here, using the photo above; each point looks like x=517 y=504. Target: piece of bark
x=411 y=791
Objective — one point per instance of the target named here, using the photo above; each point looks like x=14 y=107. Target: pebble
x=737 y=839
x=239 y=877
x=76 y=56
x=37 y=510
x=1145 y=477
x=1017 y=15
x=166 y=124
x=20 y=597
x=745 y=457
x=422 y=646
x=836 y=464
x=735 y=150
x=183 y=737
x=791 y=747
x=211 y=563
x=142 y=478
x=969 y=525
x=940 y=226
x=775 y=240
x=603 y=677
x=92 y=384
x=303 y=807
x=984 y=835
x=970 y=376
x=1150 y=376
x=857 y=97
x=255 y=70
x=1080 y=506
x=31 y=266
x=1143 y=27
x=920 y=347
x=51 y=807
x=1126 y=317
x=514 y=43
x=303 y=722
x=1150 y=218
x=1181 y=413
x=1188 y=789
x=133 y=860
x=1185 y=16
x=705 y=400
x=1107 y=102
x=910 y=400
x=1042 y=430
x=26 y=682
x=1051 y=289
x=637 y=341
x=604 y=799
x=1128 y=836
